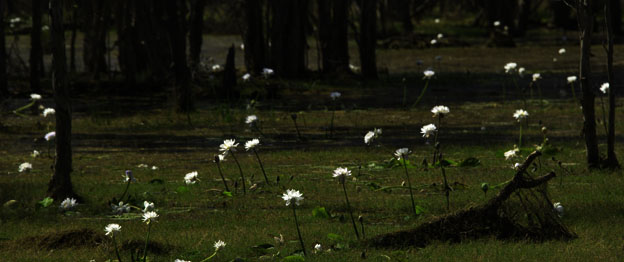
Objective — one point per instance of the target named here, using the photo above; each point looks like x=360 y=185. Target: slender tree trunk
x=95 y=28
x=612 y=161
x=176 y=13
x=196 y=31
x=4 y=90
x=561 y=15
x=288 y=37
x=72 y=44
x=229 y=73
x=368 y=38
x=255 y=43
x=586 y=23
x=523 y=17
x=60 y=185
x=333 y=35
x=616 y=16
x=36 y=52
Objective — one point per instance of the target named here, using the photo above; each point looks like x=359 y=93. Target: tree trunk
x=95 y=29
x=368 y=38
x=196 y=31
x=36 y=52
x=229 y=74
x=288 y=37
x=586 y=23
x=255 y=44
x=176 y=14
x=616 y=16
x=4 y=89
x=612 y=161
x=72 y=44
x=562 y=15
x=523 y=17
x=333 y=35
x=60 y=185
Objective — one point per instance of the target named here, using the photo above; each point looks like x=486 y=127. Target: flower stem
x=604 y=116
x=357 y=235
x=331 y=125
x=446 y=188
x=573 y=91
x=258 y=129
x=211 y=256
x=149 y=229
x=116 y=249
x=126 y=190
x=241 y=172
x=422 y=93
x=222 y=177
x=299 y=232
x=261 y=166
x=520 y=137
x=409 y=184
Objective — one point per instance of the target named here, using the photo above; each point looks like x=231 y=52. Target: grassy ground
x=105 y=146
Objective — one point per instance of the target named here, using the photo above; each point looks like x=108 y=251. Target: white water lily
x=428 y=130
x=68 y=203
x=35 y=97
x=402 y=152
x=437 y=20
x=120 y=208
x=335 y=95
x=129 y=177
x=149 y=217
x=191 y=178
x=49 y=136
x=251 y=144
x=228 y=145
x=216 y=68
x=251 y=119
x=318 y=248
x=342 y=172
x=604 y=88
x=509 y=67
x=516 y=166
x=246 y=77
x=571 y=79
x=428 y=74
x=433 y=41
x=497 y=23
x=440 y=110
x=440 y=36
x=562 y=51
x=35 y=153
x=267 y=72
x=24 y=167
x=148 y=206
x=558 y=208
x=520 y=114
x=372 y=135
x=511 y=153
x=292 y=195
x=219 y=245
x=537 y=76
x=181 y=260
x=48 y=111
x=112 y=229
x=521 y=71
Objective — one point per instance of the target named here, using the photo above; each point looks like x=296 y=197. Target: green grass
x=106 y=145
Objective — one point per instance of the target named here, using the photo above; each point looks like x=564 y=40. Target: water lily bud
x=544 y=130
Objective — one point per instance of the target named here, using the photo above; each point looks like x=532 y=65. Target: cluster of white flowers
x=191 y=178
x=292 y=195
x=342 y=172
x=35 y=97
x=520 y=114
x=24 y=167
x=372 y=135
x=428 y=130
x=216 y=68
x=440 y=110
x=251 y=144
x=219 y=245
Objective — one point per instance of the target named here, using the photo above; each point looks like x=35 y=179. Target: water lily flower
x=48 y=111
x=149 y=217
x=402 y=152
x=219 y=245
x=440 y=110
x=558 y=208
x=428 y=130
x=292 y=195
x=35 y=153
x=251 y=144
x=112 y=229
x=128 y=176
x=537 y=76
x=354 y=68
x=562 y=51
x=497 y=23
x=23 y=167
x=571 y=79
x=433 y=41
x=251 y=119
x=246 y=77
x=604 y=88
x=520 y=114
x=440 y=36
x=50 y=136
x=372 y=135
x=242 y=47
x=216 y=68
x=342 y=172
x=267 y=72
x=228 y=145
x=335 y=95
x=120 y=208
x=521 y=71
x=516 y=166
x=68 y=203
x=437 y=20
x=181 y=260
x=148 y=206
x=428 y=74
x=35 y=97
x=191 y=178
x=318 y=248
x=509 y=67
x=511 y=153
